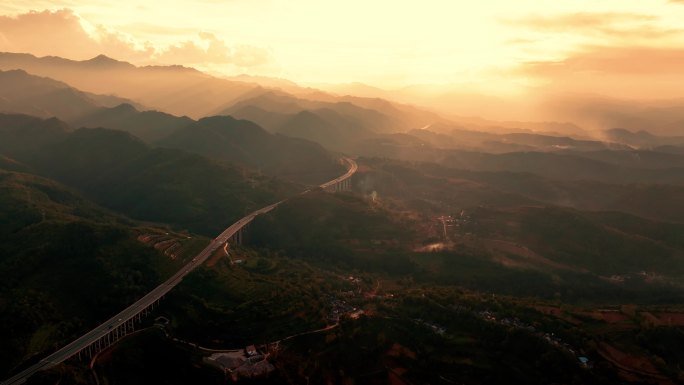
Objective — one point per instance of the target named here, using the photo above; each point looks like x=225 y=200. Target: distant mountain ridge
x=187 y=92
x=236 y=141
x=149 y=126
x=173 y=89
x=24 y=93
x=244 y=142
x=224 y=138
x=642 y=138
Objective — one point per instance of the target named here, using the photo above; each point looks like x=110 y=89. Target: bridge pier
x=343 y=185
x=239 y=237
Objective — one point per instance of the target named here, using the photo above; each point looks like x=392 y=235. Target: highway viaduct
x=124 y=323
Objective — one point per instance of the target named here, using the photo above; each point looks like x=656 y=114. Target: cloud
x=156 y=30
x=62 y=33
x=250 y=56
x=579 y=20
x=216 y=51
x=633 y=72
x=615 y=60
x=617 y=26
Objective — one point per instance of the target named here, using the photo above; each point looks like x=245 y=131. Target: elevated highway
x=342 y=183
x=123 y=323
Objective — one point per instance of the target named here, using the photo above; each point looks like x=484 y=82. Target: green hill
x=150 y=126
x=23 y=135
x=500 y=188
x=162 y=185
x=65 y=264
x=10 y=164
x=119 y=171
x=223 y=138
x=337 y=231
x=245 y=143
x=598 y=242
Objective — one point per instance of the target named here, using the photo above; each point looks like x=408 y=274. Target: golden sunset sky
x=487 y=45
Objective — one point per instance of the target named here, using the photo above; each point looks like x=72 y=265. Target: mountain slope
x=22 y=134
x=243 y=142
x=173 y=89
x=267 y=119
x=187 y=92
x=641 y=139
x=163 y=185
x=24 y=93
x=121 y=172
x=223 y=138
x=43 y=97
x=65 y=264
x=312 y=126
x=281 y=103
x=150 y=126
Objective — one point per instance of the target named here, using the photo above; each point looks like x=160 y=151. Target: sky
x=633 y=46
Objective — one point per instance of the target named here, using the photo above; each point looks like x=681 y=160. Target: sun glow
x=491 y=46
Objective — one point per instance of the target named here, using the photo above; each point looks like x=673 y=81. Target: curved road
x=157 y=293
x=352 y=169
